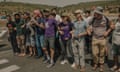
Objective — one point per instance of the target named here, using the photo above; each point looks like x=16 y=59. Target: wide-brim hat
x=99 y=10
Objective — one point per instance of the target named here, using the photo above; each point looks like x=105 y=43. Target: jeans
x=39 y=44
x=66 y=50
x=14 y=42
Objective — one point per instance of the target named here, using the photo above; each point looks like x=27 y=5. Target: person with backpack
x=65 y=30
x=116 y=45
x=100 y=28
x=78 y=41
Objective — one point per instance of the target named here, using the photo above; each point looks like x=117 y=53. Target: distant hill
x=16 y=6
x=10 y=7
x=88 y=5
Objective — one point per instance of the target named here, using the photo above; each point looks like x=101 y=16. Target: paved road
x=11 y=63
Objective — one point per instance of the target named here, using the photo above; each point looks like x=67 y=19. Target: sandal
x=101 y=68
x=82 y=70
x=113 y=68
x=95 y=67
x=118 y=70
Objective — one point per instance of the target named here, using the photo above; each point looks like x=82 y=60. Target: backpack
x=108 y=26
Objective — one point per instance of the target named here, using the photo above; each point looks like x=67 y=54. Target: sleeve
x=71 y=26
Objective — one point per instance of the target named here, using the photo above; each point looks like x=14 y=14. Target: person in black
x=12 y=34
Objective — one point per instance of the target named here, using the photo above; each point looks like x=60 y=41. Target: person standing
x=20 y=34
x=65 y=30
x=30 y=34
x=39 y=31
x=50 y=26
x=78 y=41
x=12 y=34
x=116 y=45
x=99 y=29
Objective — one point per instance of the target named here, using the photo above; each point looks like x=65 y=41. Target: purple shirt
x=66 y=28
x=50 y=27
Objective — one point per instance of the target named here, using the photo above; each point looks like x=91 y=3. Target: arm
x=110 y=29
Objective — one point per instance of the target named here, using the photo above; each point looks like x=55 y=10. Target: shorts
x=116 y=49
x=30 y=41
x=49 y=41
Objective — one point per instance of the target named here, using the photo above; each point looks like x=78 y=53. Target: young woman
x=65 y=29
x=29 y=31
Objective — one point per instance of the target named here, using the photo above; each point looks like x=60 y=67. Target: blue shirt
x=38 y=29
x=80 y=27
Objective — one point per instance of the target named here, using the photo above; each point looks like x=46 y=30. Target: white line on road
x=10 y=68
x=3 y=61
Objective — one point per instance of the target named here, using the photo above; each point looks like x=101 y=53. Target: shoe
x=74 y=66
x=101 y=68
x=50 y=65
x=82 y=70
x=113 y=68
x=118 y=70
x=46 y=61
x=64 y=62
x=95 y=67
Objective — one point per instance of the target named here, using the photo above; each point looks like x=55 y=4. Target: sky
x=59 y=3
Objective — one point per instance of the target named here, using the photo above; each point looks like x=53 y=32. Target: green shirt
x=19 y=29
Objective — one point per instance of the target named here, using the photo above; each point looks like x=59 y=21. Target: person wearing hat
x=65 y=29
x=99 y=29
x=78 y=41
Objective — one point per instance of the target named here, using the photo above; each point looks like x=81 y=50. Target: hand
x=105 y=34
x=66 y=38
x=22 y=26
x=61 y=32
x=15 y=29
x=79 y=35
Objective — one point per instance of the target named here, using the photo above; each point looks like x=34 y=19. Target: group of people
x=47 y=34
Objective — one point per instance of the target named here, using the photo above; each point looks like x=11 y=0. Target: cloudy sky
x=53 y=2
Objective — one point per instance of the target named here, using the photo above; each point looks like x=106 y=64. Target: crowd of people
x=49 y=35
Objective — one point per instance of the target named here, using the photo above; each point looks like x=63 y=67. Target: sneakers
x=64 y=62
x=74 y=66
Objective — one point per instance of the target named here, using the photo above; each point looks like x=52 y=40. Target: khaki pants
x=98 y=50
x=20 y=41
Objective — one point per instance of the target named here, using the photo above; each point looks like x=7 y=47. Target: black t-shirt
x=11 y=25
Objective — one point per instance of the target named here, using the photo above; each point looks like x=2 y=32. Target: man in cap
x=78 y=41
x=99 y=29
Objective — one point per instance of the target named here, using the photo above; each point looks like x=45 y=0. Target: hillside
x=16 y=6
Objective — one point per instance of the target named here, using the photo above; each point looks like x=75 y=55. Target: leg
x=75 y=52
x=82 y=55
x=95 y=52
x=102 y=46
